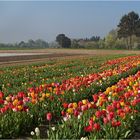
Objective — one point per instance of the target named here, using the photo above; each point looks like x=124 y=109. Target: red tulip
x=103 y=112
x=127 y=109
x=80 y=103
x=105 y=120
x=1 y=101
x=110 y=108
x=110 y=116
x=62 y=113
x=96 y=126
x=21 y=94
x=88 y=128
x=118 y=123
x=1 y=95
x=2 y=110
x=84 y=107
x=118 y=106
x=95 y=97
x=65 y=105
x=76 y=113
x=115 y=123
x=127 y=95
x=49 y=116
x=70 y=105
x=91 y=122
x=98 y=114
x=134 y=102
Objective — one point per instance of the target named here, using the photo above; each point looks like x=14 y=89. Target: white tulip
x=109 y=98
x=53 y=128
x=65 y=118
x=37 y=131
x=32 y=133
x=84 y=138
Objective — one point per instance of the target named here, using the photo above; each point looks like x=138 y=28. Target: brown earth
x=72 y=51
x=45 y=54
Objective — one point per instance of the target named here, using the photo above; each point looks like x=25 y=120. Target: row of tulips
x=49 y=98
x=110 y=114
x=74 y=87
x=19 y=78
x=23 y=101
x=19 y=102
x=118 y=61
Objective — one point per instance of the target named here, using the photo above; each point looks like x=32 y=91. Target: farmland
x=78 y=94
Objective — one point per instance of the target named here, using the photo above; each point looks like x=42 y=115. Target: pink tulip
x=49 y=116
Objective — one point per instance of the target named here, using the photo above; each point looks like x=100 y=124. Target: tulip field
x=89 y=97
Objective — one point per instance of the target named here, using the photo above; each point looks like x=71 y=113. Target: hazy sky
x=26 y=20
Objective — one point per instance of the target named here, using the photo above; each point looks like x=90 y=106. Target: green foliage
x=12 y=124
x=95 y=38
x=63 y=41
x=128 y=26
x=109 y=41
x=31 y=44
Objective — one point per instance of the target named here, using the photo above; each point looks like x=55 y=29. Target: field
x=45 y=54
x=70 y=94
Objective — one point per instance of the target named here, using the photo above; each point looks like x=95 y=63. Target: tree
x=95 y=38
x=41 y=43
x=110 y=39
x=128 y=27
x=138 y=29
x=63 y=41
x=22 y=44
x=31 y=43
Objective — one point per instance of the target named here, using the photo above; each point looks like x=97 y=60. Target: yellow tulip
x=15 y=102
x=130 y=83
x=114 y=94
x=8 y=98
x=135 y=93
x=41 y=99
x=122 y=103
x=32 y=94
x=74 y=105
x=47 y=94
x=43 y=95
x=62 y=92
x=70 y=110
x=113 y=87
x=84 y=102
x=94 y=117
x=20 y=107
x=43 y=85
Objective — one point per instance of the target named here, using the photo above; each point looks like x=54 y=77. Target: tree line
x=39 y=43
x=125 y=36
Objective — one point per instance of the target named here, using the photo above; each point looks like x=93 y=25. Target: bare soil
x=72 y=51
x=45 y=54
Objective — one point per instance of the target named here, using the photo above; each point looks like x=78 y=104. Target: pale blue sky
x=81 y=19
